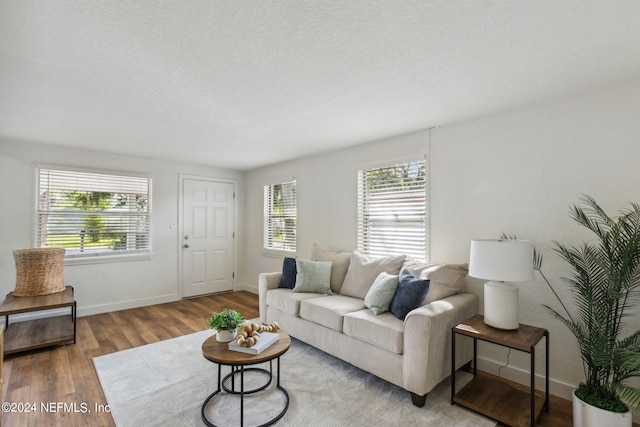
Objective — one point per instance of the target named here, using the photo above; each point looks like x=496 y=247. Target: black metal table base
x=242 y=392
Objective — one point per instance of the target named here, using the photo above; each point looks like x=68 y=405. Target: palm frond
x=628 y=394
x=605 y=286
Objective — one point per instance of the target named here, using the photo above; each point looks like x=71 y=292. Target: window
x=392 y=210
x=93 y=214
x=280 y=216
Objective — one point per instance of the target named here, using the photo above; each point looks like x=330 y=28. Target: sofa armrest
x=427 y=341
x=266 y=281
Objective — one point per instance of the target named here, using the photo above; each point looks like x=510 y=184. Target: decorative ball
x=250 y=333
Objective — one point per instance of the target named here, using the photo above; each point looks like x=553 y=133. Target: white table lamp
x=501 y=262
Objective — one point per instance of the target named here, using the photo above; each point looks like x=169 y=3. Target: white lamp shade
x=501 y=260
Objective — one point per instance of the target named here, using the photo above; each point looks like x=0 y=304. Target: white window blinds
x=392 y=210
x=280 y=216
x=93 y=214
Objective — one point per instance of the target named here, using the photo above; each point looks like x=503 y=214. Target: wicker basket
x=39 y=271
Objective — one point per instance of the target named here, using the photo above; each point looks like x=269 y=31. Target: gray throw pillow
x=313 y=276
x=381 y=293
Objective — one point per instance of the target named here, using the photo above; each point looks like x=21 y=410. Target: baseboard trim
x=246 y=287
x=94 y=309
x=124 y=305
x=522 y=376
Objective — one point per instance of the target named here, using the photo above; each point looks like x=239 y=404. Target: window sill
x=278 y=253
x=102 y=259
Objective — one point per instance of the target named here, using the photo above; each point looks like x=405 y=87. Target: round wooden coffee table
x=219 y=353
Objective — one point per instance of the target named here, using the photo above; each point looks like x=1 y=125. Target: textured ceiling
x=241 y=84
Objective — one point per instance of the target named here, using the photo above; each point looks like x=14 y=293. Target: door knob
x=186 y=245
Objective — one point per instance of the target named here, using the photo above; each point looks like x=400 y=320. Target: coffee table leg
x=233 y=379
x=211 y=396
x=286 y=396
x=241 y=395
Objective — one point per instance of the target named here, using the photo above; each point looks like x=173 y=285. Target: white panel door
x=207 y=237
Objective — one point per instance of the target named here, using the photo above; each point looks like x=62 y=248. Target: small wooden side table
x=32 y=334
x=219 y=353
x=492 y=396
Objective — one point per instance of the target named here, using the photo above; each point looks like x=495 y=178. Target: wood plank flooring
x=65 y=375
x=63 y=378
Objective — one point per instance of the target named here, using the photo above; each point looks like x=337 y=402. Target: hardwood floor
x=65 y=375
x=559 y=415
x=62 y=382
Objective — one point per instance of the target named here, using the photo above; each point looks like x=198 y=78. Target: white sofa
x=414 y=354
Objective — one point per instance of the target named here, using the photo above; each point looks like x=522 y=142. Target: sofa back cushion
x=339 y=266
x=446 y=279
x=363 y=271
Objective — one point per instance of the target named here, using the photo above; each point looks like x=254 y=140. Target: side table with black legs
x=492 y=396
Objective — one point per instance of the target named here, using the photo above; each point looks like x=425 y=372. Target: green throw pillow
x=381 y=293
x=313 y=276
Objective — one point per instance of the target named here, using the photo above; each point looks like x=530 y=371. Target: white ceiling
x=241 y=84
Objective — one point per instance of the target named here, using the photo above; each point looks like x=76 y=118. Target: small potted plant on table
x=226 y=324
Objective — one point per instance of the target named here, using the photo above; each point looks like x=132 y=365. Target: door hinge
x=234 y=234
x=234 y=195
x=233 y=275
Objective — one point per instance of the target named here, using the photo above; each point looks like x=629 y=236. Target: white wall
x=326 y=186
x=519 y=173
x=516 y=172
x=108 y=286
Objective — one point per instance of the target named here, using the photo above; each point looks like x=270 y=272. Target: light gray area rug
x=165 y=384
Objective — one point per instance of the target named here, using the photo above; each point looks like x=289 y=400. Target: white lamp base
x=501 y=305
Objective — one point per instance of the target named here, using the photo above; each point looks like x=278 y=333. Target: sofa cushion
x=363 y=270
x=339 y=266
x=313 y=276
x=384 y=331
x=381 y=293
x=410 y=294
x=445 y=279
x=289 y=273
x=287 y=301
x=329 y=311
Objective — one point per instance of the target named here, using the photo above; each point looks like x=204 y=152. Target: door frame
x=180 y=231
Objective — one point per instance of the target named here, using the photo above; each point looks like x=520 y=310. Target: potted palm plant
x=605 y=285
x=226 y=324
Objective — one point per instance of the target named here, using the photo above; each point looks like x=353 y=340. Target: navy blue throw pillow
x=289 y=273
x=410 y=294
